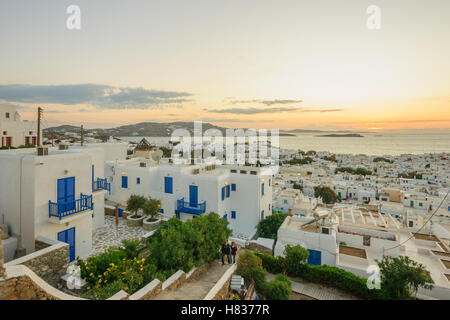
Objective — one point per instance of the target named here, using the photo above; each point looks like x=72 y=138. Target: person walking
x=229 y=253
x=234 y=250
x=225 y=246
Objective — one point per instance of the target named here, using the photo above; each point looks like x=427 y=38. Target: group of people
x=229 y=250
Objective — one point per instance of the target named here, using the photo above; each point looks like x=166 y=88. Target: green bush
x=271 y=263
x=296 y=257
x=278 y=289
x=268 y=228
x=326 y=275
x=184 y=245
x=250 y=267
x=132 y=247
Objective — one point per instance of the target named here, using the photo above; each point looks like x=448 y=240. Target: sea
x=370 y=143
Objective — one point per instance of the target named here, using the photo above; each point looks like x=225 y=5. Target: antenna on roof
x=40 y=110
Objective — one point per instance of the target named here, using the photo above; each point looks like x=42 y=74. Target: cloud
x=323 y=110
x=232 y=120
x=253 y=110
x=100 y=96
x=269 y=110
x=267 y=102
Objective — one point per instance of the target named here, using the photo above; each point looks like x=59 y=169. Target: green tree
x=184 y=245
x=326 y=193
x=135 y=203
x=401 y=277
x=295 y=259
x=249 y=266
x=151 y=207
x=268 y=228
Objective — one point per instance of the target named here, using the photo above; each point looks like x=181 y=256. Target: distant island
x=283 y=134
x=347 y=135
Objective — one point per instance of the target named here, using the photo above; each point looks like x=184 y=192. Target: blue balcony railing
x=63 y=209
x=101 y=184
x=184 y=206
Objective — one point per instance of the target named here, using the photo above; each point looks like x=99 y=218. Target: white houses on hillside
x=242 y=195
x=14 y=131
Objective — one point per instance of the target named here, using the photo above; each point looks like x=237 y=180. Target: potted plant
x=135 y=203
x=151 y=209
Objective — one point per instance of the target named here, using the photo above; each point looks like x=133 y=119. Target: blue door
x=66 y=193
x=315 y=257
x=68 y=236
x=168 y=185
x=193 y=196
x=124 y=182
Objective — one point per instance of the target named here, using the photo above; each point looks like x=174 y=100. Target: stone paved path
x=198 y=288
x=315 y=291
x=106 y=236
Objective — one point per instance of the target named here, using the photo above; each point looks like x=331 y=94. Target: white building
x=58 y=196
x=14 y=131
x=242 y=195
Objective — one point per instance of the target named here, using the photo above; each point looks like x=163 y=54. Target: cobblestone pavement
x=106 y=236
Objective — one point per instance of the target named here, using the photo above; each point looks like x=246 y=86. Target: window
x=138 y=180
x=161 y=211
x=223 y=193
x=285 y=201
x=30 y=133
x=233 y=187
x=225 y=216
x=269 y=206
x=168 y=184
x=228 y=191
x=7 y=115
x=124 y=182
x=420 y=204
x=269 y=182
x=262 y=189
x=5 y=133
x=233 y=214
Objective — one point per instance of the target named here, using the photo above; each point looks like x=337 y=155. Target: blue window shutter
x=168 y=185
x=233 y=187
x=228 y=191
x=225 y=216
x=223 y=193
x=124 y=182
x=233 y=214
x=138 y=180
x=262 y=189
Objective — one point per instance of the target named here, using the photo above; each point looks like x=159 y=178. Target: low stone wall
x=2 y=269
x=21 y=283
x=259 y=248
x=174 y=281
x=221 y=289
x=39 y=245
x=22 y=288
x=148 y=292
x=49 y=263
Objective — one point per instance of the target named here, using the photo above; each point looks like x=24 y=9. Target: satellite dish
x=157 y=155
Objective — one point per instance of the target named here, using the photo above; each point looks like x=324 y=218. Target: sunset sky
x=237 y=63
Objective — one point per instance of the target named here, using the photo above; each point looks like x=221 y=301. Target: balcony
x=184 y=206
x=101 y=184
x=64 y=209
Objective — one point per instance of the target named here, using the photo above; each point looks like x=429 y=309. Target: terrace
x=63 y=209
x=186 y=207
